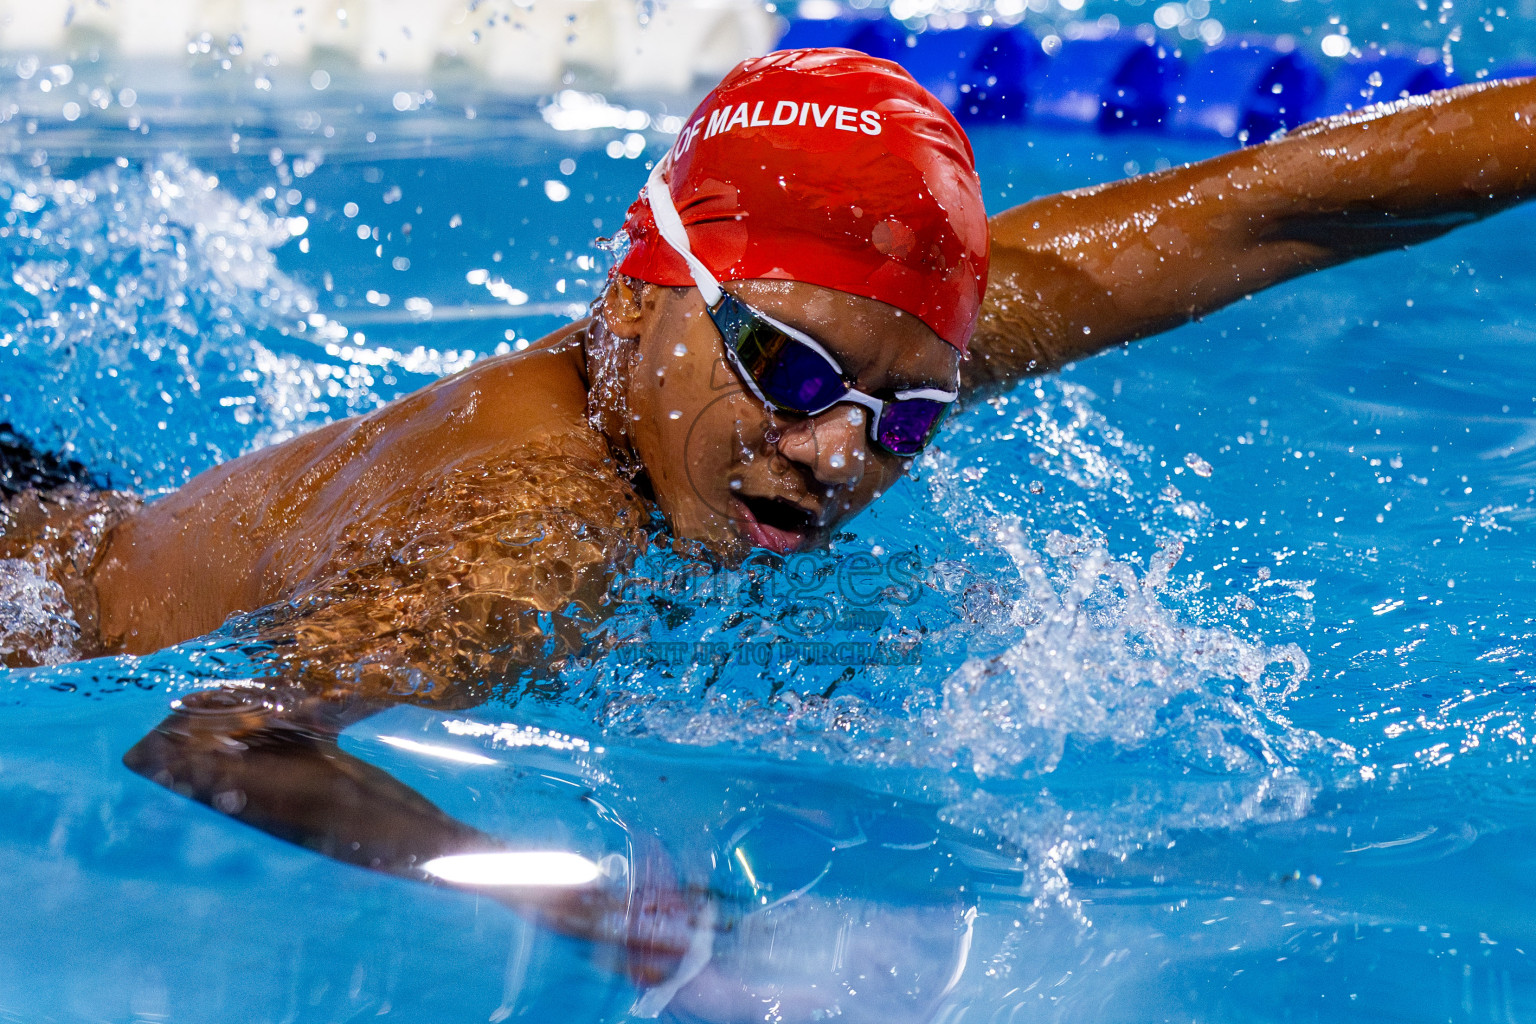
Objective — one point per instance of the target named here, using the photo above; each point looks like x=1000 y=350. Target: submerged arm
x=269 y=758
x=480 y=584
x=1082 y=271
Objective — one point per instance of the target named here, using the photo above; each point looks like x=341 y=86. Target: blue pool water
x=1201 y=672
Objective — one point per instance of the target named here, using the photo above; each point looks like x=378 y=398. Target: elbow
x=189 y=765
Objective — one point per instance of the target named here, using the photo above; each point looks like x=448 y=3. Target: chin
x=704 y=534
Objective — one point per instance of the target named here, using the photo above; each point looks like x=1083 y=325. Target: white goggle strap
x=670 y=226
x=932 y=394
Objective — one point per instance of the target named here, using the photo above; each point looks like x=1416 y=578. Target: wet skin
x=722 y=466
x=273 y=524
x=1071 y=275
x=348 y=525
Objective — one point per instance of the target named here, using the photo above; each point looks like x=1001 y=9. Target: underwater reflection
x=514 y=868
x=804 y=903
x=859 y=919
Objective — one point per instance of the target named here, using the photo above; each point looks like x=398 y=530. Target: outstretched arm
x=1082 y=271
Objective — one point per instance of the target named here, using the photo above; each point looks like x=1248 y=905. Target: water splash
x=1080 y=472
x=1136 y=722
x=1069 y=700
x=1101 y=660
x=35 y=619
x=149 y=328
x=1126 y=706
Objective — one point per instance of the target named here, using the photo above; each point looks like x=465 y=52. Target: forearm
x=270 y=759
x=282 y=772
x=1468 y=151
x=1081 y=271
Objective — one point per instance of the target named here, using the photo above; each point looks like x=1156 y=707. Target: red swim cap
x=832 y=168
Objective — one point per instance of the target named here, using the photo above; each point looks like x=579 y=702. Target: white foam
x=35 y=619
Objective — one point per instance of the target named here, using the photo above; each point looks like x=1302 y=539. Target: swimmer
x=810 y=286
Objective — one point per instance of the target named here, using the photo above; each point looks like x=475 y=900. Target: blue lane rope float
x=980 y=73
x=1117 y=82
x=1247 y=90
x=1243 y=89
x=1379 y=76
x=984 y=74
x=878 y=37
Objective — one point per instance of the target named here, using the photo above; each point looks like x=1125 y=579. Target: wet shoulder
x=522 y=398
x=527 y=519
x=487 y=576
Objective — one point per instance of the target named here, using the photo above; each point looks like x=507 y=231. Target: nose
x=834 y=446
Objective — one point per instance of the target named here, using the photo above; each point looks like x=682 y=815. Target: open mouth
x=780 y=514
x=774 y=523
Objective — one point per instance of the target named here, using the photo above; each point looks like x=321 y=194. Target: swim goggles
x=786 y=369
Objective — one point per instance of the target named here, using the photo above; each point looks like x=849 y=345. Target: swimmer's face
x=726 y=470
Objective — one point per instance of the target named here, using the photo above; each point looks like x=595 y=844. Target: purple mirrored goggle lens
x=796 y=377
x=792 y=376
x=907 y=426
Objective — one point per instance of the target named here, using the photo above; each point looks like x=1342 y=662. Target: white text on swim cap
x=785 y=112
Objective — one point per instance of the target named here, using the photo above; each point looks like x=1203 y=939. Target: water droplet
x=675 y=414
x=735 y=485
x=679 y=350
x=837 y=461
x=856 y=416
